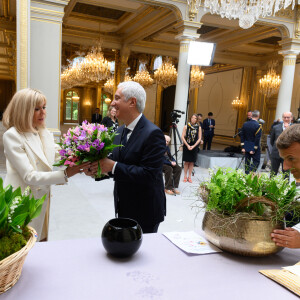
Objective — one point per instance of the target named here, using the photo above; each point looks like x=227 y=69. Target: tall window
x=72 y=107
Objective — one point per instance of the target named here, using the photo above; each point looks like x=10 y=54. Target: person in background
x=276 y=160
x=250 y=141
x=172 y=171
x=208 y=131
x=96 y=117
x=111 y=120
x=30 y=152
x=191 y=137
x=249 y=115
x=288 y=144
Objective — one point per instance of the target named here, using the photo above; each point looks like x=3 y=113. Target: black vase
x=122 y=237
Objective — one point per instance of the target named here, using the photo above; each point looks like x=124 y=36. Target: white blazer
x=29 y=165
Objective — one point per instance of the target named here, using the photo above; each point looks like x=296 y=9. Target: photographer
x=191 y=137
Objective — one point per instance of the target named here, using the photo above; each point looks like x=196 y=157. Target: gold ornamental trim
x=289 y=62
x=184 y=47
x=23 y=43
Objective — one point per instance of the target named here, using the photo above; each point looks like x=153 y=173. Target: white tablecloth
x=81 y=269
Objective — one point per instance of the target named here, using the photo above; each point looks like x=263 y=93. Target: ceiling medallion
x=166 y=74
x=247 y=11
x=197 y=77
x=269 y=85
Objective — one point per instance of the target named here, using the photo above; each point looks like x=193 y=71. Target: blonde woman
x=111 y=120
x=30 y=151
x=191 y=137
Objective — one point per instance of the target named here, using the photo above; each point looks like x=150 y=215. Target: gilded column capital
x=187 y=31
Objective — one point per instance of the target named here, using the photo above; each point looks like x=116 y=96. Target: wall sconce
x=107 y=101
x=88 y=103
x=237 y=103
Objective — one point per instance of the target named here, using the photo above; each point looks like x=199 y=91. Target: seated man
x=288 y=144
x=172 y=171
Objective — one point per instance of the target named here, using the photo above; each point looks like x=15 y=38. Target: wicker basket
x=11 y=266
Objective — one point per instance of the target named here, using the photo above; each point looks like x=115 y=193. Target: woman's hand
x=71 y=171
x=190 y=147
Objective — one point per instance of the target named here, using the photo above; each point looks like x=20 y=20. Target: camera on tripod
x=175 y=115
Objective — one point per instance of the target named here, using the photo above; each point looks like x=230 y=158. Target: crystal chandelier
x=143 y=78
x=166 y=74
x=237 y=103
x=95 y=66
x=270 y=83
x=247 y=11
x=109 y=86
x=92 y=68
x=197 y=77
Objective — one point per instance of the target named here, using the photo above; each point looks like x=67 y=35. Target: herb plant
x=227 y=188
x=16 y=212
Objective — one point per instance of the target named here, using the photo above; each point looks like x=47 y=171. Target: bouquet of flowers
x=88 y=142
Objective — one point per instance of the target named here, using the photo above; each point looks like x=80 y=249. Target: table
x=81 y=269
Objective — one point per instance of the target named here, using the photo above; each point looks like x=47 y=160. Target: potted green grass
x=242 y=210
x=17 y=209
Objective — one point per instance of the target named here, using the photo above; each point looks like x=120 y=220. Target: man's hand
x=173 y=163
x=251 y=152
x=289 y=238
x=92 y=169
x=106 y=165
x=243 y=150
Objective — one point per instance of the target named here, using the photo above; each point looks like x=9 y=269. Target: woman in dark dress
x=191 y=137
x=110 y=120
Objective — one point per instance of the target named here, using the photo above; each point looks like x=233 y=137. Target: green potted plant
x=17 y=209
x=242 y=210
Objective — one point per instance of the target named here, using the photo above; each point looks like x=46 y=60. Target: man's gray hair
x=131 y=89
x=255 y=114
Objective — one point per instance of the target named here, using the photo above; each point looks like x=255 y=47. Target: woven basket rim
x=23 y=251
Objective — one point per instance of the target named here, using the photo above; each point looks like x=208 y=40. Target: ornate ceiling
x=142 y=28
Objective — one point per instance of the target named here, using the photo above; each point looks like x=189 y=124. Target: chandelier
x=197 y=77
x=95 y=66
x=247 y=11
x=270 y=83
x=109 y=86
x=91 y=68
x=237 y=103
x=143 y=78
x=166 y=74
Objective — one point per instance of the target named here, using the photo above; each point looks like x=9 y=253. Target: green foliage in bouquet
x=227 y=188
x=16 y=212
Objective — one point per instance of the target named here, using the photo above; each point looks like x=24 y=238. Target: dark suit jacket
x=168 y=158
x=275 y=133
x=251 y=133
x=96 y=120
x=139 y=188
x=206 y=127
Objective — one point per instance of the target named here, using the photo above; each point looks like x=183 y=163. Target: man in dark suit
x=96 y=117
x=250 y=141
x=276 y=160
x=137 y=166
x=208 y=131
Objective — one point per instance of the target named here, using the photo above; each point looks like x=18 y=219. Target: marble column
x=39 y=39
x=287 y=81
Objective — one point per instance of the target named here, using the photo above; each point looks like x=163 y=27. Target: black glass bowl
x=122 y=237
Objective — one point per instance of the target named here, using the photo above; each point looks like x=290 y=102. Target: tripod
x=175 y=133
